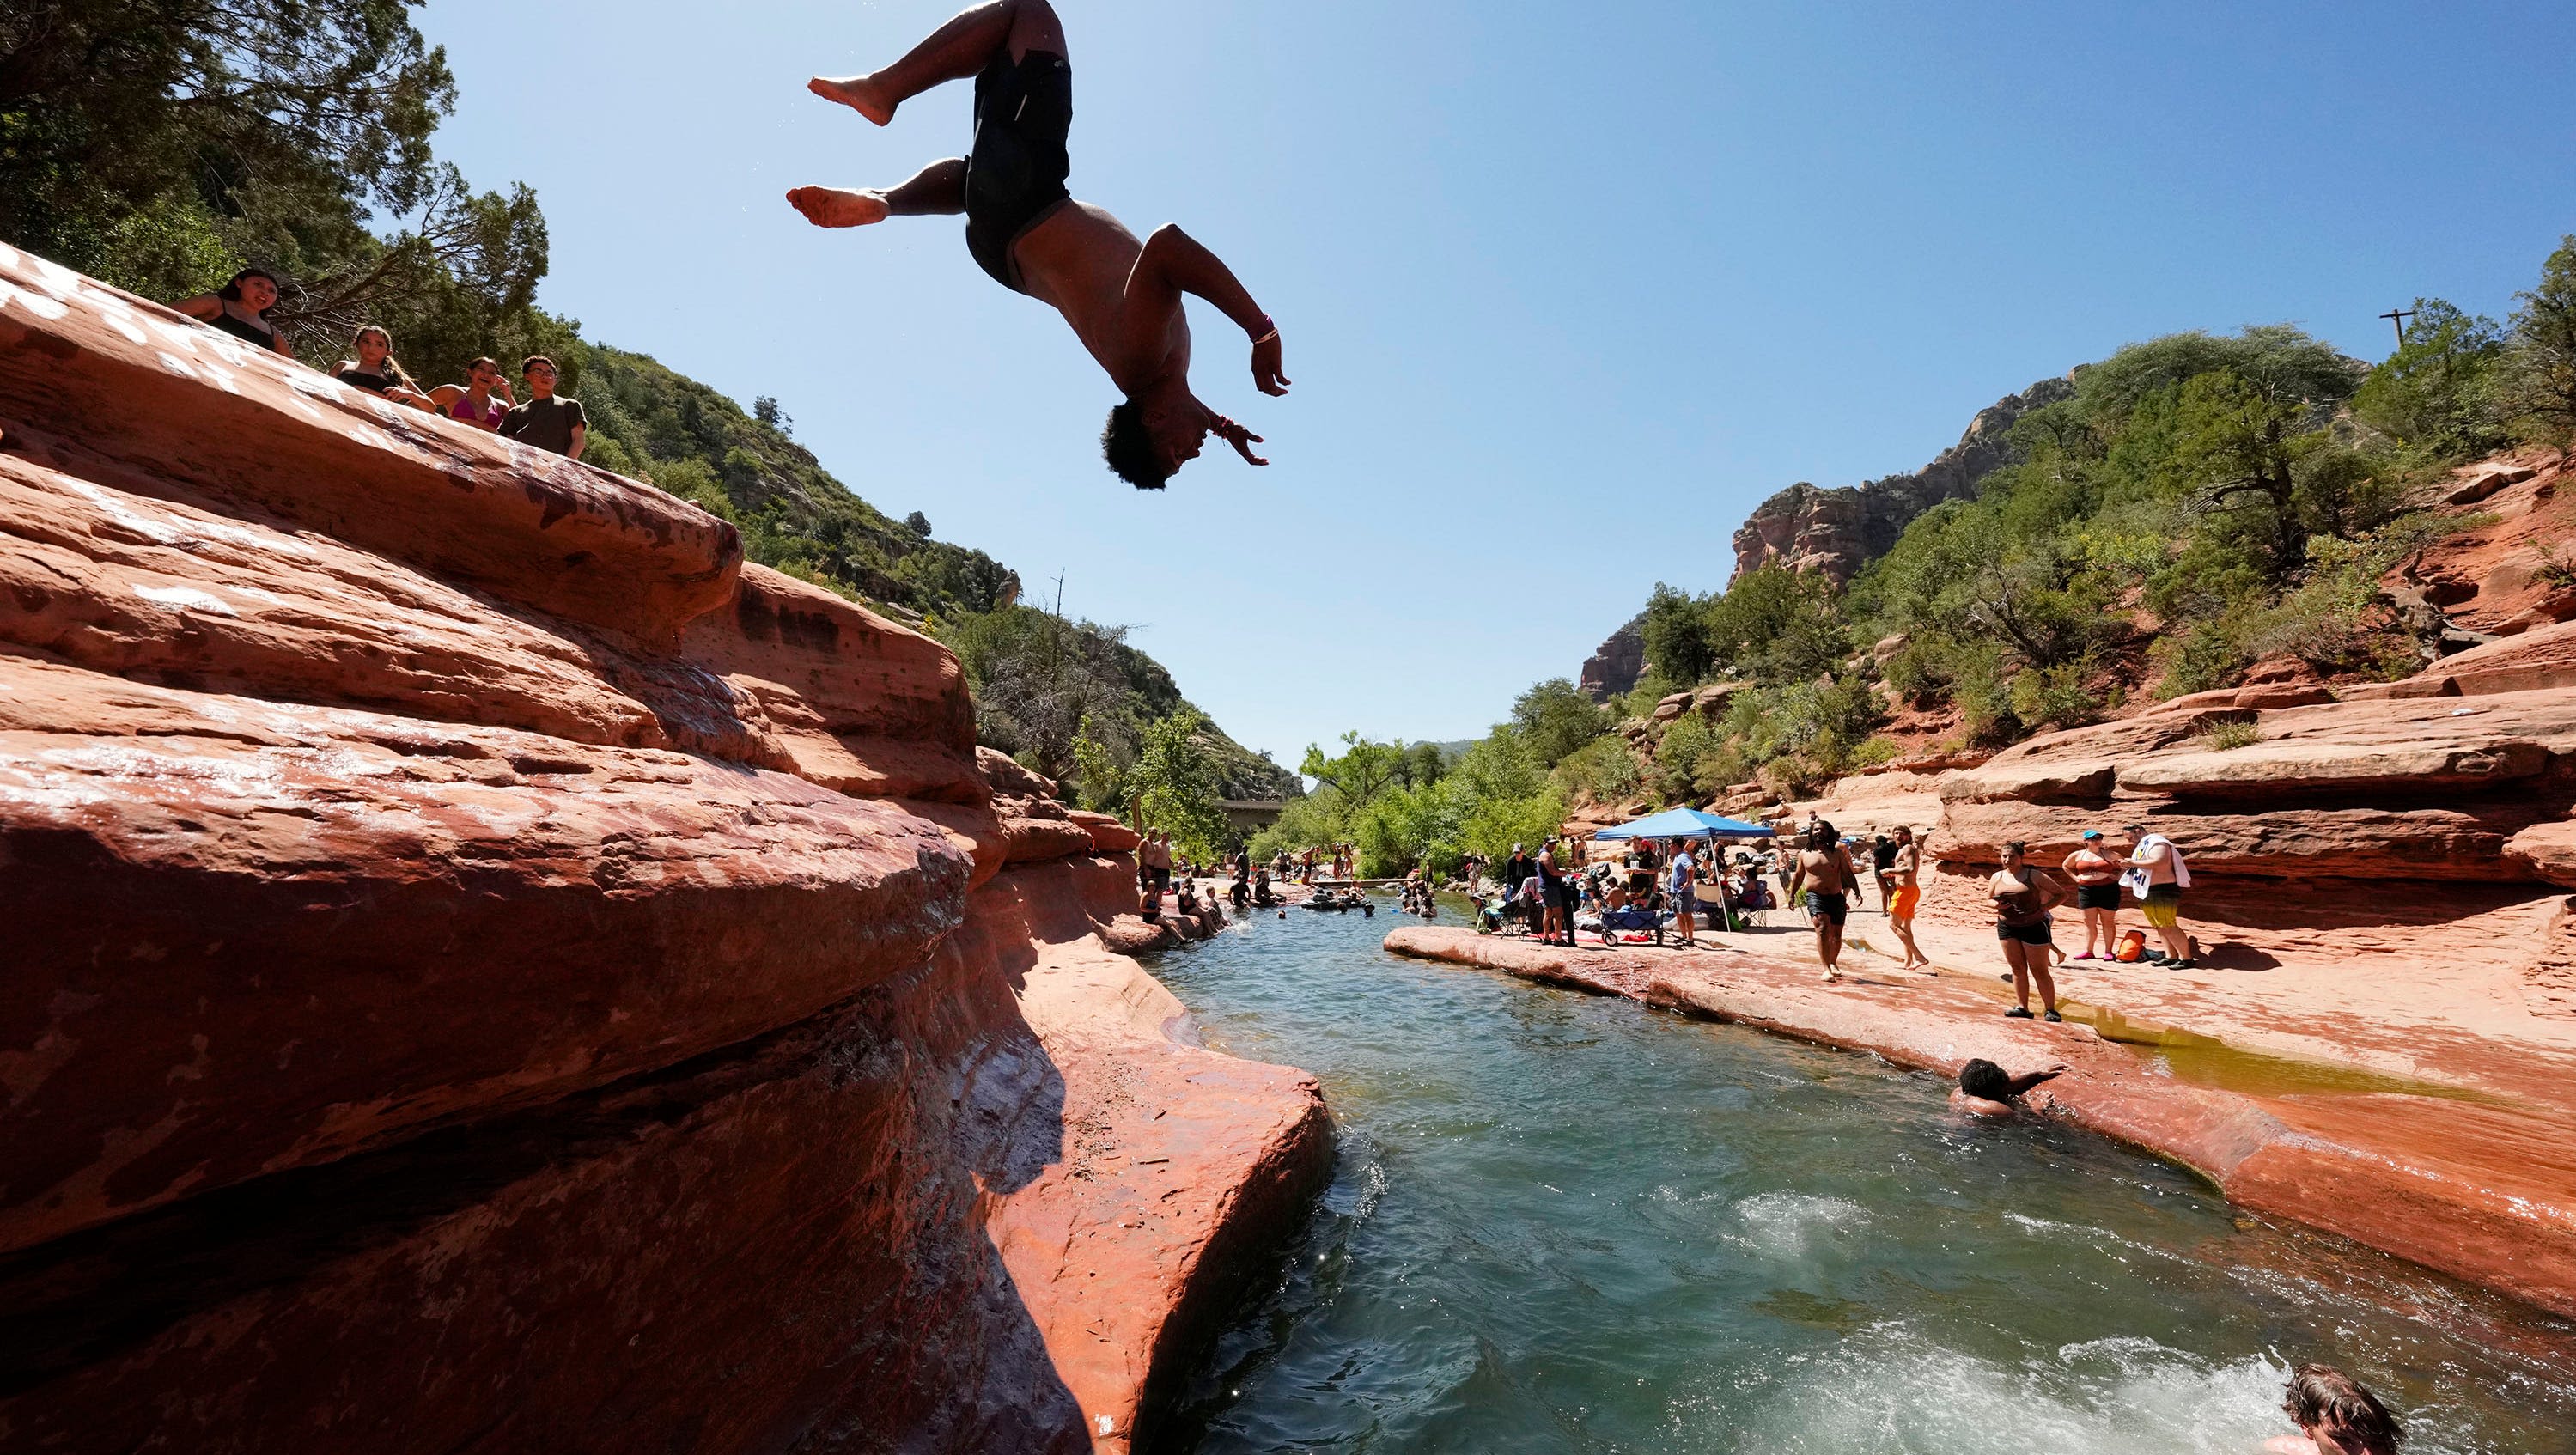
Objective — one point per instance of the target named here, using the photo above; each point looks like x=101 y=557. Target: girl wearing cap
x=2097 y=895
x=240 y=308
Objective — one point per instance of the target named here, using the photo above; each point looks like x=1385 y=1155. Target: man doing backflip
x=1123 y=297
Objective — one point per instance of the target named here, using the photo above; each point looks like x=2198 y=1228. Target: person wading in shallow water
x=1829 y=877
x=2023 y=895
x=1123 y=297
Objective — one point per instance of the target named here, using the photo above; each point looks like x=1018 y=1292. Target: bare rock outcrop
x=490 y=970
x=1620 y=663
x=1837 y=531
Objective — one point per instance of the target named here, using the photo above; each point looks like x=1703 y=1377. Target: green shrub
x=2228 y=734
x=1603 y=771
x=2055 y=696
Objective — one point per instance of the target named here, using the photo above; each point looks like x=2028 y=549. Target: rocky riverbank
x=2480 y=1187
x=491 y=970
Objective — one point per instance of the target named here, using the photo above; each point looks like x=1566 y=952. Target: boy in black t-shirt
x=545 y=421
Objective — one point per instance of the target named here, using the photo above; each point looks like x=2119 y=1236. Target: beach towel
x=2136 y=879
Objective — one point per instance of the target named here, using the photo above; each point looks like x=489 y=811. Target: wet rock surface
x=490 y=970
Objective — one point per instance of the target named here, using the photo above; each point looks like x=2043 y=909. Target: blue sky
x=1565 y=289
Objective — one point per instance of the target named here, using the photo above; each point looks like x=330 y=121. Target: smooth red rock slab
x=2546 y=851
x=138 y=383
x=248 y=936
x=2298 y=766
x=2482 y=1192
x=2543 y=657
x=1182 y=1170
x=2465 y=843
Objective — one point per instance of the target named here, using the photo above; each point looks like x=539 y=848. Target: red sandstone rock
x=222 y=908
x=407 y=1050
x=2546 y=851
x=1108 y=835
x=2288 y=842
x=142 y=385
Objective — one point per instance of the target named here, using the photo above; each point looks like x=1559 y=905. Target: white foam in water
x=1889 y=1391
x=1784 y=1222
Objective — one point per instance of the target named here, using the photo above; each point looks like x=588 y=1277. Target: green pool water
x=1565 y=1223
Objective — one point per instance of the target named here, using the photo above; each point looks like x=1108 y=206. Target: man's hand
x=1265 y=366
x=1236 y=435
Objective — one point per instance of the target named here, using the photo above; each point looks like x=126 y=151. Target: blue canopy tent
x=1685 y=823
x=1690 y=823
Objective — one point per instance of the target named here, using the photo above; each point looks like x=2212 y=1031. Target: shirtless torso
x=1120 y=294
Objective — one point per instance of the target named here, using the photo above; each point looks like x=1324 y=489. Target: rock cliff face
x=1837 y=531
x=1614 y=670
x=489 y=970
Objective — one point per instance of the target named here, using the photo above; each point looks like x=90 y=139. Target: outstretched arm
x=2024 y=1083
x=1174 y=263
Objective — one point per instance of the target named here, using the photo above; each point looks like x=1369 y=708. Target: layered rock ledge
x=491 y=970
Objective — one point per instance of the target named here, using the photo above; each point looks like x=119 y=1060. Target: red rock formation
x=1838 y=531
x=490 y=971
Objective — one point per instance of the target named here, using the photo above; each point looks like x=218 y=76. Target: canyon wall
x=1837 y=531
x=491 y=970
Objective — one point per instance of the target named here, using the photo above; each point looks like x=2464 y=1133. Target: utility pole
x=2398 y=316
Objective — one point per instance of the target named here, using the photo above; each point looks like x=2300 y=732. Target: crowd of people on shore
x=544 y=420
x=1653 y=888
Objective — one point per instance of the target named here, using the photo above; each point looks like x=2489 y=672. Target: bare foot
x=861 y=94
x=838 y=206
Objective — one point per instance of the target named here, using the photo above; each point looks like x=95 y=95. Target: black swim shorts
x=1015 y=176
x=2097 y=896
x=2034 y=933
x=1827 y=906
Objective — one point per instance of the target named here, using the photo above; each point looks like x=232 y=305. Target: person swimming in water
x=1986 y=1090
x=1122 y=296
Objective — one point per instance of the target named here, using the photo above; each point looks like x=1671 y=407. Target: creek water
x=1565 y=1223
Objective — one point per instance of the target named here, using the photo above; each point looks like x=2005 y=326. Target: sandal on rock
x=2051 y=1016
x=2018 y=1013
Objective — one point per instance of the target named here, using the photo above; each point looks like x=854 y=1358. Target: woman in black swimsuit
x=2023 y=896
x=375 y=370
x=240 y=308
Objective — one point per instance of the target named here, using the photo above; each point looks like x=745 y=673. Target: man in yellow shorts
x=1907 y=871
x=2158 y=875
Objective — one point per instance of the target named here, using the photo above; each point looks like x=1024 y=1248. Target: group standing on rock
x=241 y=308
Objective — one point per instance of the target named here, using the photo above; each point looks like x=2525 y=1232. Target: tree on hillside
x=1779 y=625
x=1556 y=718
x=2278 y=360
x=1676 y=636
x=2433 y=391
x=2540 y=362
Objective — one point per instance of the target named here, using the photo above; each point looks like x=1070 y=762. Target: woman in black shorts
x=2023 y=896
